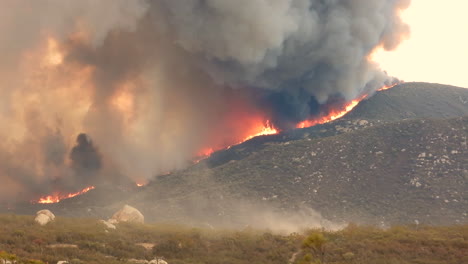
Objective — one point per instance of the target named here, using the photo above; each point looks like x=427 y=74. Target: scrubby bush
x=21 y=237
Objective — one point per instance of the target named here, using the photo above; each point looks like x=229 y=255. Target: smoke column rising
x=153 y=82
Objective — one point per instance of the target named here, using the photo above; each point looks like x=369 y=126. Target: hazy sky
x=437 y=50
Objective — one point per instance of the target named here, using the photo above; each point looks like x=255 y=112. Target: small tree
x=315 y=243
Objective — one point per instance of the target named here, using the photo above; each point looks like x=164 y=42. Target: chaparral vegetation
x=88 y=241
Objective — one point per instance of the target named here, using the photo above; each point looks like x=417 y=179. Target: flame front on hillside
x=261 y=129
x=336 y=113
x=57 y=197
x=266 y=128
x=332 y=115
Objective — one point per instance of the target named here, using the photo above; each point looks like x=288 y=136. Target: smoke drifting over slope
x=154 y=82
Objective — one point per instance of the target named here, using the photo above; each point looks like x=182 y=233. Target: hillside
x=413 y=100
x=414 y=170
x=405 y=101
x=398 y=157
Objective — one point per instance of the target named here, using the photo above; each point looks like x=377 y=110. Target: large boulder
x=127 y=214
x=43 y=217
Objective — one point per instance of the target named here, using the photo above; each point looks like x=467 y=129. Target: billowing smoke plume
x=154 y=82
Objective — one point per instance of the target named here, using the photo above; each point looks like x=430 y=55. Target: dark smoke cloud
x=85 y=158
x=153 y=82
x=302 y=51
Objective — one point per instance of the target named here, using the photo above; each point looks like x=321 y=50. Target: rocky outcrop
x=127 y=214
x=43 y=217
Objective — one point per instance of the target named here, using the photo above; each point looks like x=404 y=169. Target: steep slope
x=414 y=170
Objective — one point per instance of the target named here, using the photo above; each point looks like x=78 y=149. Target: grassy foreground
x=87 y=241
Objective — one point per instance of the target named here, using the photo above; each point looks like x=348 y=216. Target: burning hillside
x=262 y=129
x=57 y=197
x=161 y=82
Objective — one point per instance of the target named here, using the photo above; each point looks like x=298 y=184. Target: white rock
x=127 y=214
x=46 y=212
x=43 y=217
x=363 y=122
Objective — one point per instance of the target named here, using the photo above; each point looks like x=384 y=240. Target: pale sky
x=437 y=50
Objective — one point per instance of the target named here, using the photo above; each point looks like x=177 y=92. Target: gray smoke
x=299 y=52
x=154 y=82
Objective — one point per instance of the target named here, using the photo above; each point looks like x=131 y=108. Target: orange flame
x=333 y=115
x=386 y=87
x=268 y=129
x=338 y=113
x=141 y=183
x=57 y=197
x=262 y=129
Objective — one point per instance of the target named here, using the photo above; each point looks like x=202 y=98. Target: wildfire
x=141 y=183
x=266 y=128
x=205 y=152
x=57 y=197
x=386 y=87
x=262 y=129
x=333 y=115
x=338 y=113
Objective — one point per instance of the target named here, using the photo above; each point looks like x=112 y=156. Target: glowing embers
x=57 y=197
